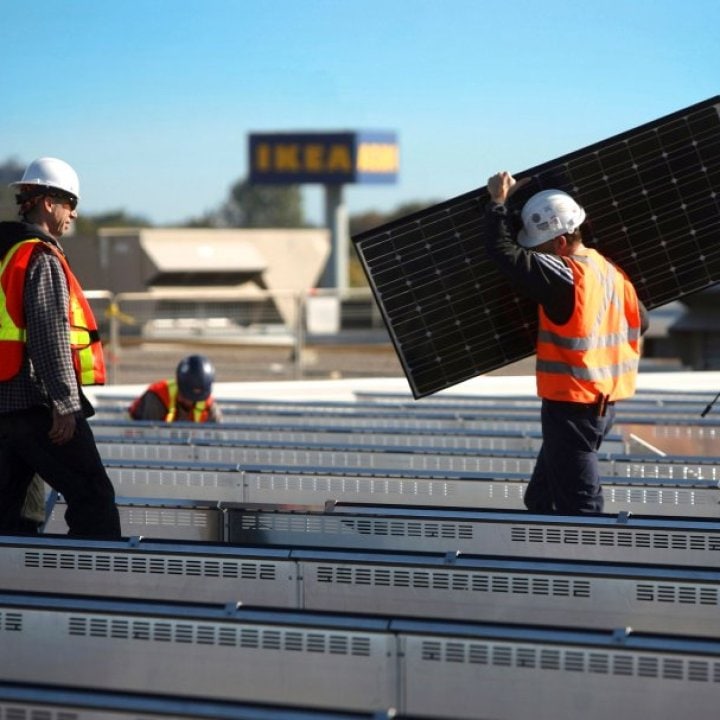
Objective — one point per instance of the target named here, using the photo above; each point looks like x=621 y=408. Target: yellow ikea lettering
x=314 y=158
x=262 y=157
x=377 y=157
x=298 y=157
x=287 y=158
x=339 y=159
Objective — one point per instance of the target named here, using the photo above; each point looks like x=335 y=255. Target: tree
x=87 y=225
x=261 y=206
x=10 y=171
x=373 y=218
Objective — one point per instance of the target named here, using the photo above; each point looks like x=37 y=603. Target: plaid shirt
x=47 y=376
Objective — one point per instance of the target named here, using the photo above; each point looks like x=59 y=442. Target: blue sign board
x=328 y=158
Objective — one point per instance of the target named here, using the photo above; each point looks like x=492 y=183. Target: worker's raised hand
x=502 y=185
x=62 y=429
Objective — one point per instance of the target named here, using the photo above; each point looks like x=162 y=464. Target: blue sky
x=152 y=100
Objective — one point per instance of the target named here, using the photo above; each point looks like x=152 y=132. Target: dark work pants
x=74 y=469
x=566 y=478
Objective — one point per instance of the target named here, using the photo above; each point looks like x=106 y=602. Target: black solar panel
x=651 y=196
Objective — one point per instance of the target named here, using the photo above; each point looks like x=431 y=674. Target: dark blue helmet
x=195 y=375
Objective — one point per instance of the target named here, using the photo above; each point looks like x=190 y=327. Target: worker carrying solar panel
x=185 y=398
x=588 y=342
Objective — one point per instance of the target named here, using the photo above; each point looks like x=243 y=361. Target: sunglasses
x=71 y=200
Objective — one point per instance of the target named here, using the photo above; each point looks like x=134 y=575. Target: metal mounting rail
x=376 y=403
x=645 y=400
x=479 y=460
x=385 y=441
x=647 y=598
x=328 y=432
x=173 y=519
x=490 y=419
x=499 y=485
x=524 y=433
x=620 y=538
x=19 y=701
x=614 y=458
x=409 y=422
x=355 y=662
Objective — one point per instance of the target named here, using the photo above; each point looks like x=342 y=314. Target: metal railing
x=221 y=317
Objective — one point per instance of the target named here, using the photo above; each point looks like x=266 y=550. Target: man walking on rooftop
x=49 y=348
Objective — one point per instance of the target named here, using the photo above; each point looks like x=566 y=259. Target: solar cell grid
x=651 y=196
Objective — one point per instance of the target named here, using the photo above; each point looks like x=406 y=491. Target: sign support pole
x=336 y=219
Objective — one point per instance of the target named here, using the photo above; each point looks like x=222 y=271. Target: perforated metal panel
x=680 y=542
x=651 y=196
x=553 y=593
x=314 y=488
x=657 y=488
x=380 y=409
x=170 y=573
x=514 y=678
x=197 y=653
x=481 y=460
x=179 y=523
x=500 y=484
x=670 y=401
x=229 y=451
x=513 y=435
x=331 y=661
x=385 y=430
x=192 y=481
x=399 y=458
x=508 y=591
x=686 y=470
x=409 y=458
x=19 y=701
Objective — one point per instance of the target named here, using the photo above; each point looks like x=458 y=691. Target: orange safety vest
x=597 y=351
x=167 y=391
x=85 y=345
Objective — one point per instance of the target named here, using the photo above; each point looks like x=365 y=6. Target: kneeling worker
x=186 y=398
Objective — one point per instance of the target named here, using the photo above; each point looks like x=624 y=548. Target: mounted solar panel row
x=653 y=205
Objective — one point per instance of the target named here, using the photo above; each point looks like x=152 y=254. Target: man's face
x=62 y=214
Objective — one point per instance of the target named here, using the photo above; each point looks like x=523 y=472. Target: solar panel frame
x=652 y=199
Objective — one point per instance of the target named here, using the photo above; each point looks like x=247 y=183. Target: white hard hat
x=53 y=173
x=548 y=214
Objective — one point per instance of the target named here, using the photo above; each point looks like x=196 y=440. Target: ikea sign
x=327 y=158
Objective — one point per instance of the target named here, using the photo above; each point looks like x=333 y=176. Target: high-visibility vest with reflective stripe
x=167 y=391
x=597 y=351
x=85 y=344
